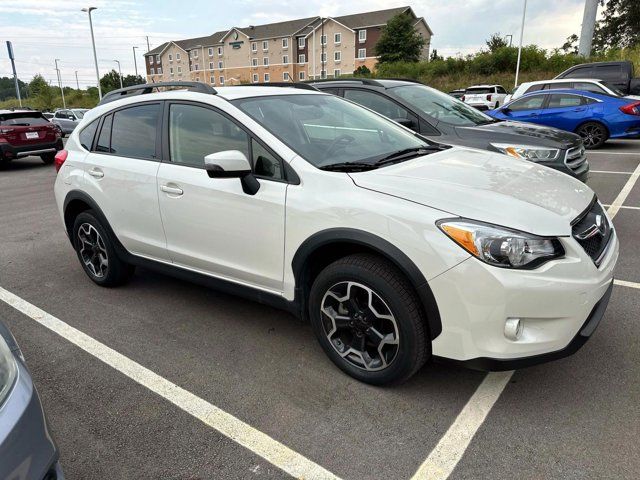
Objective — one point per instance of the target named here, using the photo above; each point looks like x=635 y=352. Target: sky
x=45 y=30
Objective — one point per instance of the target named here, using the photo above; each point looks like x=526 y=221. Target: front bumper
x=9 y=152
x=559 y=304
x=27 y=450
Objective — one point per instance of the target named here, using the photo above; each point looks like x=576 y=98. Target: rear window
x=609 y=72
x=479 y=91
x=22 y=119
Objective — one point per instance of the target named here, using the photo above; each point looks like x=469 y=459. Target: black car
x=617 y=74
x=447 y=120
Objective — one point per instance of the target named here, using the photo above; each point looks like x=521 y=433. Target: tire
x=115 y=272
x=48 y=158
x=593 y=134
x=360 y=277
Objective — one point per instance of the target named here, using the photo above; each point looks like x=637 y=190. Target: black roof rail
x=149 y=87
x=301 y=86
x=364 y=81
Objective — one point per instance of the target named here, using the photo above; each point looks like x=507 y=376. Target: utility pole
x=93 y=43
x=15 y=75
x=119 y=72
x=148 y=47
x=64 y=104
x=588 y=27
x=510 y=38
x=524 y=12
x=135 y=63
x=77 y=83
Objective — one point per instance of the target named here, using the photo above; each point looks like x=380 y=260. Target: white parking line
x=609 y=152
x=625 y=207
x=254 y=440
x=449 y=451
x=609 y=171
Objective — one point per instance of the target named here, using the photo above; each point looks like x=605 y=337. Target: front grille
x=592 y=231
x=575 y=157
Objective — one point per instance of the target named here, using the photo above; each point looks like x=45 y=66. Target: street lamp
x=64 y=104
x=119 y=72
x=135 y=63
x=524 y=13
x=93 y=43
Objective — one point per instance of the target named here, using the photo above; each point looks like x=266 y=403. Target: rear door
x=564 y=111
x=120 y=176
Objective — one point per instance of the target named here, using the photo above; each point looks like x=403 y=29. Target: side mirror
x=506 y=110
x=232 y=164
x=405 y=122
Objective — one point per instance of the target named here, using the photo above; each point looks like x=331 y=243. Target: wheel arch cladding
x=329 y=245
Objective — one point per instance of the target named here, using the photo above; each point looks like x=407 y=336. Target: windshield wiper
x=348 y=167
x=406 y=154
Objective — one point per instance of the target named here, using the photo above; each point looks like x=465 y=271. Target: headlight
x=8 y=370
x=528 y=152
x=501 y=246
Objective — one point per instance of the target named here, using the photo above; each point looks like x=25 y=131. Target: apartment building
x=295 y=50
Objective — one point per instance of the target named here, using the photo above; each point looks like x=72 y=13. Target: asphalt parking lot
x=574 y=418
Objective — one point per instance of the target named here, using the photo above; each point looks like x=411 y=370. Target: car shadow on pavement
x=23 y=164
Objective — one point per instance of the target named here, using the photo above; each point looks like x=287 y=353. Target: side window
x=265 y=164
x=562 y=100
x=195 y=132
x=134 y=131
x=589 y=87
x=530 y=103
x=588 y=100
x=87 y=134
x=552 y=86
x=608 y=72
x=535 y=88
x=501 y=90
x=581 y=72
x=104 y=139
x=377 y=103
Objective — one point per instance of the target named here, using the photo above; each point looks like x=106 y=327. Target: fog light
x=513 y=328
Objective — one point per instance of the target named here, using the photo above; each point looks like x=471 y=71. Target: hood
x=485 y=186
x=522 y=133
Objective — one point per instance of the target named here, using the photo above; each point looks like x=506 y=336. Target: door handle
x=171 y=190
x=96 y=172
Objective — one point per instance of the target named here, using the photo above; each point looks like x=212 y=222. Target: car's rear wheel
x=593 y=134
x=48 y=158
x=368 y=319
x=96 y=252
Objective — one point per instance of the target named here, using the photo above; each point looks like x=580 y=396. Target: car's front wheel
x=96 y=252
x=593 y=134
x=368 y=319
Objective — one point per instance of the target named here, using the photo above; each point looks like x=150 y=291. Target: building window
x=301 y=58
x=285 y=59
x=266 y=77
x=323 y=39
x=157 y=58
x=337 y=56
x=151 y=60
x=254 y=62
x=197 y=67
x=301 y=42
x=265 y=45
x=301 y=76
x=286 y=77
x=285 y=43
x=197 y=79
x=159 y=70
x=323 y=57
x=362 y=53
x=195 y=53
x=152 y=71
x=210 y=51
x=179 y=69
x=336 y=73
x=212 y=80
x=220 y=51
x=254 y=78
x=221 y=80
x=323 y=74
x=362 y=36
x=210 y=65
x=337 y=38
x=254 y=47
x=171 y=70
x=220 y=65
x=178 y=57
x=265 y=61
x=170 y=58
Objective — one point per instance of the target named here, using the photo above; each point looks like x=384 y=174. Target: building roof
x=368 y=19
x=280 y=29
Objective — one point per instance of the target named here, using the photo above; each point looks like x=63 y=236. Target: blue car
x=595 y=117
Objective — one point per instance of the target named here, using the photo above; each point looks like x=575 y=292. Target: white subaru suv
x=396 y=249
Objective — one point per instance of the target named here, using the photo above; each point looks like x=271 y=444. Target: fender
x=379 y=245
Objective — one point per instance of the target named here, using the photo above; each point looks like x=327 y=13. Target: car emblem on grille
x=598 y=227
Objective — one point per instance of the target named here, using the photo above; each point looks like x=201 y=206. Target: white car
x=485 y=97
x=586 y=84
x=396 y=249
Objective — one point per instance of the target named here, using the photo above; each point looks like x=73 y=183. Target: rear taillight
x=631 y=108
x=462 y=98
x=60 y=158
x=489 y=97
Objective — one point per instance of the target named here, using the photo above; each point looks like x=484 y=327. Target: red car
x=27 y=132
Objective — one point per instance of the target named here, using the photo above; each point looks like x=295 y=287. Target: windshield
x=618 y=92
x=79 y=113
x=440 y=106
x=327 y=130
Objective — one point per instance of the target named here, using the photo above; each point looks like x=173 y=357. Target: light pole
x=510 y=38
x=77 y=83
x=524 y=12
x=93 y=43
x=64 y=104
x=135 y=63
x=119 y=72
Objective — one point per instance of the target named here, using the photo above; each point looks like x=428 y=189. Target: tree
x=41 y=92
x=571 y=45
x=620 y=25
x=362 y=71
x=400 y=41
x=435 y=56
x=8 y=88
x=131 y=80
x=495 y=41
